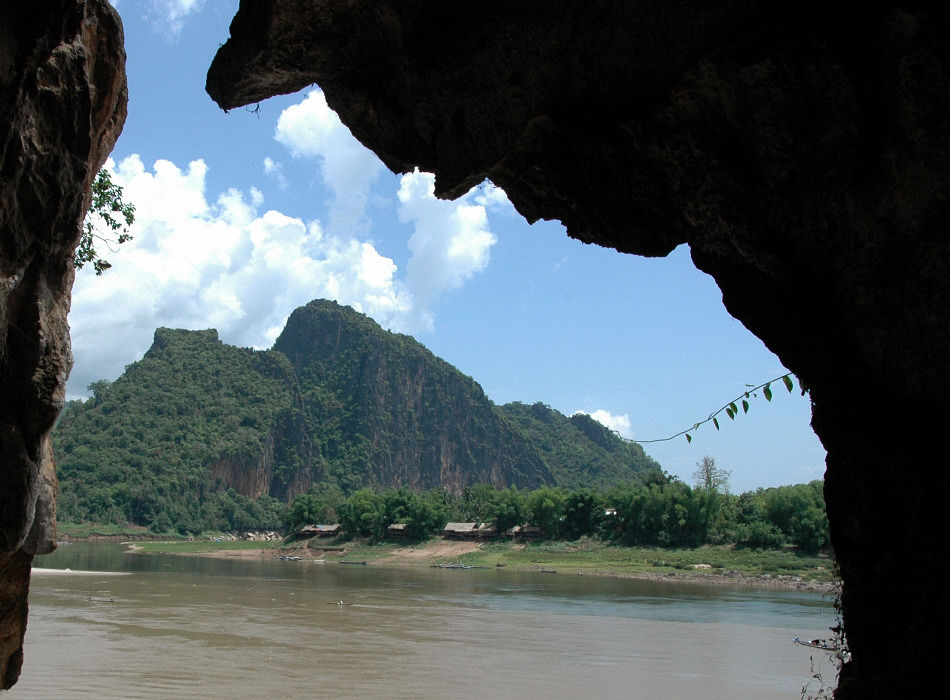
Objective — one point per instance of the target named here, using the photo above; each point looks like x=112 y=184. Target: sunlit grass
x=86 y=530
x=597 y=557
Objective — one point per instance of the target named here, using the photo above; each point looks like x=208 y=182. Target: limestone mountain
x=578 y=450
x=201 y=434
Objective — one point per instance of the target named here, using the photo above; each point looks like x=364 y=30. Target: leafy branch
x=110 y=210
x=732 y=408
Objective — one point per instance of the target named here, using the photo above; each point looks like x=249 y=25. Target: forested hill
x=565 y=442
x=198 y=432
x=385 y=411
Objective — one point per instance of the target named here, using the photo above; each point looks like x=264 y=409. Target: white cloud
x=451 y=241
x=169 y=16
x=494 y=199
x=199 y=264
x=276 y=171
x=311 y=129
x=619 y=424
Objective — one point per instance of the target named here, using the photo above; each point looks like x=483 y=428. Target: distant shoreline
x=441 y=552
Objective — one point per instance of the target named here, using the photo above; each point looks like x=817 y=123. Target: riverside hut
x=309 y=531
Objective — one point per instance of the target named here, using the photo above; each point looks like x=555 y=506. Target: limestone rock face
x=62 y=105
x=801 y=150
x=406 y=417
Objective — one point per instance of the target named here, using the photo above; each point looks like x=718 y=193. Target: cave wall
x=802 y=151
x=62 y=105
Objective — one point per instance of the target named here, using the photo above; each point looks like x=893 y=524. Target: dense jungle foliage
x=566 y=442
x=139 y=450
x=654 y=510
x=199 y=435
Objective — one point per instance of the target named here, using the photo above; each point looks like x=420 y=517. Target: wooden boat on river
x=825 y=644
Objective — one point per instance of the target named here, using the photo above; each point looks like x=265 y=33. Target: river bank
x=705 y=565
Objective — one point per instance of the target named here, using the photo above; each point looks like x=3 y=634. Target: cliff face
x=801 y=150
x=62 y=106
x=277 y=469
x=196 y=424
x=414 y=419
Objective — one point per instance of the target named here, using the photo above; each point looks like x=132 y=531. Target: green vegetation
x=592 y=555
x=158 y=447
x=199 y=435
x=65 y=528
x=652 y=512
x=656 y=525
x=731 y=409
x=108 y=211
x=566 y=442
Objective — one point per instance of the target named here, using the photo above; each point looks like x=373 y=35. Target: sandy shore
x=442 y=550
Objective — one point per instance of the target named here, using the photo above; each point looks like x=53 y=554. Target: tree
x=547 y=507
x=510 y=508
x=710 y=477
x=478 y=502
x=364 y=514
x=316 y=506
x=583 y=513
x=107 y=210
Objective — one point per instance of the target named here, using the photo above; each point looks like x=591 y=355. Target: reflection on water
x=228 y=628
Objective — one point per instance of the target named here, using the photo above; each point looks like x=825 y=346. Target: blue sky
x=242 y=217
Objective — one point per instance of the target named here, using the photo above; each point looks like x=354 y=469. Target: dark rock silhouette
x=62 y=105
x=801 y=150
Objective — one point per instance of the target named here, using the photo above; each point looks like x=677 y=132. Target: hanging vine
x=732 y=409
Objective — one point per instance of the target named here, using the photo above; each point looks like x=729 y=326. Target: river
x=121 y=625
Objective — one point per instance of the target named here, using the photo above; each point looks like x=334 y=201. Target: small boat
x=825 y=644
x=352 y=562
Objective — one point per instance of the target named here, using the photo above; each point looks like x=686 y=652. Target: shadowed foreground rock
x=802 y=156
x=62 y=106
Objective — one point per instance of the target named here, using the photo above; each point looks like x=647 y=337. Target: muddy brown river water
x=120 y=625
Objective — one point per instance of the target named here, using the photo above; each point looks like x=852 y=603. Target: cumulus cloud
x=195 y=263
x=451 y=241
x=493 y=198
x=311 y=129
x=275 y=170
x=619 y=424
x=199 y=261
x=169 y=16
